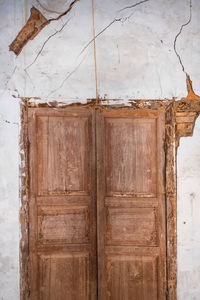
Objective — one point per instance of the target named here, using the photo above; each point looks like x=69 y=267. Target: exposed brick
x=32 y=27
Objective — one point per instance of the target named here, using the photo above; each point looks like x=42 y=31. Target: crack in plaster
x=98 y=34
x=40 y=51
x=191 y=93
x=178 y=34
x=122 y=20
x=30 y=78
x=134 y=5
x=64 y=13
x=68 y=76
x=7 y=82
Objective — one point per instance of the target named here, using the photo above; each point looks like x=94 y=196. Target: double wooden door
x=96 y=204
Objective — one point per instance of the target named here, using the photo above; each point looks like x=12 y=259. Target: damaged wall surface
x=144 y=49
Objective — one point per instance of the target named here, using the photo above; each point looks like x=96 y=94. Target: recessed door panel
x=132 y=277
x=64 y=224
x=62 y=144
x=132 y=226
x=64 y=277
x=130 y=167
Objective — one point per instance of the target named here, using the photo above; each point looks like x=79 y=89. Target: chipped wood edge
x=171 y=203
x=24 y=211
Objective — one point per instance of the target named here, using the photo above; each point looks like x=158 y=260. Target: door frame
x=179 y=121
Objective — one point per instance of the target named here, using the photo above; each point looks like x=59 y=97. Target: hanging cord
x=95 y=58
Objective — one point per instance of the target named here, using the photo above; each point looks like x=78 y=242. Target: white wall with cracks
x=143 y=52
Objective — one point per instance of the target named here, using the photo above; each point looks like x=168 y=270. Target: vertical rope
x=95 y=57
x=26 y=19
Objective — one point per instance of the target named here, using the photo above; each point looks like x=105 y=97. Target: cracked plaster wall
x=135 y=60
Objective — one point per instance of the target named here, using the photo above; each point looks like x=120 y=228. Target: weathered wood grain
x=62 y=205
x=131 y=205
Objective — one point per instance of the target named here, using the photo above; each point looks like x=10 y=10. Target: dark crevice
x=178 y=34
x=134 y=5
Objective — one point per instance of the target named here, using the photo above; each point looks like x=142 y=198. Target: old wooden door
x=97 y=207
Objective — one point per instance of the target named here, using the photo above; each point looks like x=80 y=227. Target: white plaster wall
x=135 y=60
x=189 y=216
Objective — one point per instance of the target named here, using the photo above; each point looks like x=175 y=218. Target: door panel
x=67 y=161
x=60 y=224
x=129 y=171
x=132 y=277
x=130 y=205
x=62 y=204
x=127 y=226
x=64 y=276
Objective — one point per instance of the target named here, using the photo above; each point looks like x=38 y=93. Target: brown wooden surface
x=129 y=220
x=62 y=204
x=131 y=205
